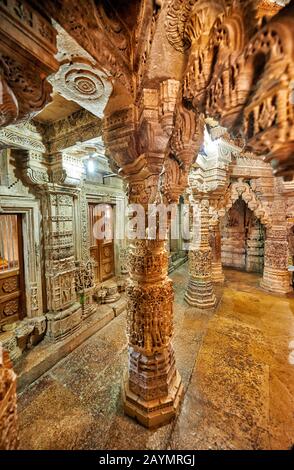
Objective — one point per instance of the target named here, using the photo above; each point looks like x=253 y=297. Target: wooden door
x=12 y=298
x=102 y=251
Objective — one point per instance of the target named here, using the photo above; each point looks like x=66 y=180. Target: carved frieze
x=64 y=133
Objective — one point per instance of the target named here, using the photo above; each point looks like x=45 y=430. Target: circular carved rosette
x=84 y=84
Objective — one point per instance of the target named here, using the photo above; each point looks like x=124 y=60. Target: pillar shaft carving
x=200 y=291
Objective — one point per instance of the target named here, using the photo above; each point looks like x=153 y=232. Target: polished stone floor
x=237 y=366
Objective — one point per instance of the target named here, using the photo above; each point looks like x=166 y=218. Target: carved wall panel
x=59 y=252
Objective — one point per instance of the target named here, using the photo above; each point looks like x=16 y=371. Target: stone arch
x=241 y=189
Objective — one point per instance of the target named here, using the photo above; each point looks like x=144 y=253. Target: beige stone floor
x=235 y=365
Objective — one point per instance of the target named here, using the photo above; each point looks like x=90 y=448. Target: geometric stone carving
x=65 y=312
x=79 y=126
x=23 y=135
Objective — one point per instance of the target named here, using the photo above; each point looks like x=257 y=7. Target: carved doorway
x=12 y=297
x=101 y=251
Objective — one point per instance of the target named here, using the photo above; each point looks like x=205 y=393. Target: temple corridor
x=237 y=367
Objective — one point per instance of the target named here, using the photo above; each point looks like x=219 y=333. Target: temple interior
x=147 y=224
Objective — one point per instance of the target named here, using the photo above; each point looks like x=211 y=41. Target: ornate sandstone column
x=200 y=291
x=276 y=277
x=137 y=138
x=153 y=388
x=215 y=244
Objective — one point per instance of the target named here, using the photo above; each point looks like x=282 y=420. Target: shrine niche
x=242 y=243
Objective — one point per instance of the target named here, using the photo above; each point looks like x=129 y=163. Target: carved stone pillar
x=139 y=141
x=8 y=416
x=276 y=277
x=200 y=292
x=153 y=389
x=216 y=260
x=64 y=312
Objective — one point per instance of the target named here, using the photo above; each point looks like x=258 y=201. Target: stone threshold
x=34 y=363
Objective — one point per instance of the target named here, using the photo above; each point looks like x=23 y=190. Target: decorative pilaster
x=216 y=260
x=64 y=312
x=276 y=277
x=200 y=292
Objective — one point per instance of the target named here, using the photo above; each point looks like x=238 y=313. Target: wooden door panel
x=107 y=260
x=102 y=251
x=12 y=295
x=11 y=308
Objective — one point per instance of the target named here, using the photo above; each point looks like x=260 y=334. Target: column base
x=200 y=294
x=157 y=412
x=276 y=281
x=64 y=323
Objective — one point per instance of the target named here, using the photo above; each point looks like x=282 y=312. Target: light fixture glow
x=210 y=146
x=91 y=165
